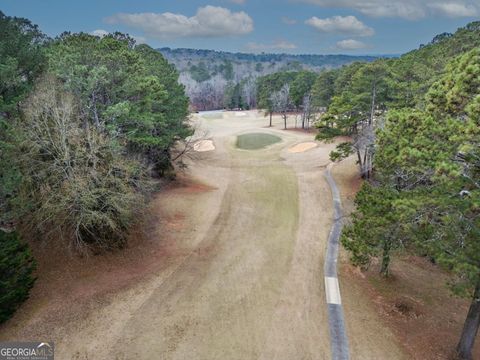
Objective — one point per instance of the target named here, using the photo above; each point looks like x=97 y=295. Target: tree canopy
x=87 y=119
x=425 y=193
x=127 y=90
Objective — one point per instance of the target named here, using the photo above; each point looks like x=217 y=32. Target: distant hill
x=185 y=58
x=207 y=73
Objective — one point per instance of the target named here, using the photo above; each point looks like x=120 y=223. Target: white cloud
x=102 y=33
x=341 y=25
x=378 y=8
x=277 y=45
x=351 y=44
x=286 y=20
x=454 y=9
x=407 y=9
x=209 y=21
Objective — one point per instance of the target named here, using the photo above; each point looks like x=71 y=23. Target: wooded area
x=87 y=126
x=415 y=129
x=216 y=79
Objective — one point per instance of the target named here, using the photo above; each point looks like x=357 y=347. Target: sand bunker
x=203 y=146
x=240 y=114
x=302 y=147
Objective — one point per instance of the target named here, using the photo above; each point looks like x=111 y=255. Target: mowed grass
x=212 y=115
x=255 y=141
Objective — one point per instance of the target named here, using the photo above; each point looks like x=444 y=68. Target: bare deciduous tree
x=307 y=111
x=281 y=102
x=77 y=181
x=249 y=91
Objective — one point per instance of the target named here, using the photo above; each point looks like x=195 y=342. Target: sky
x=255 y=26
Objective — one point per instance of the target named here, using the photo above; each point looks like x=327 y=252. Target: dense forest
x=88 y=125
x=212 y=78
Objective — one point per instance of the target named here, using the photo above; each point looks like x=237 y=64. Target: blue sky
x=291 y=26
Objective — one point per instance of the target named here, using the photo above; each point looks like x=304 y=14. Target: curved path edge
x=338 y=335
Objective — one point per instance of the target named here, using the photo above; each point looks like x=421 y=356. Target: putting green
x=256 y=141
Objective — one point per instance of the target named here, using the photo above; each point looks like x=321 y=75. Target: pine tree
x=16 y=279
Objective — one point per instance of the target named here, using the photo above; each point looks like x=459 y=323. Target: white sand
x=203 y=146
x=302 y=147
x=240 y=114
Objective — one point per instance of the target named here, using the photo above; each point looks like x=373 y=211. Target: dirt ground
x=227 y=264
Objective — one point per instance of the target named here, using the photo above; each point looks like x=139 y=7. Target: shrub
x=78 y=184
x=16 y=280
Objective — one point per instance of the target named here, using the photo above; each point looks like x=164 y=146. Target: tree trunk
x=95 y=112
x=270 y=119
x=285 y=121
x=360 y=162
x=365 y=165
x=372 y=109
x=470 y=327
x=387 y=245
x=369 y=165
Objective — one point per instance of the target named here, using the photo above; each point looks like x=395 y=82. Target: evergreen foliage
x=21 y=62
x=425 y=193
x=85 y=120
x=16 y=279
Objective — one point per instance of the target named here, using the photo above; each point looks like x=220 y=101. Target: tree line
x=414 y=125
x=87 y=125
x=309 y=59
x=211 y=76
x=291 y=92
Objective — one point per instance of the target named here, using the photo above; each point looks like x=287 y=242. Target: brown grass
x=66 y=282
